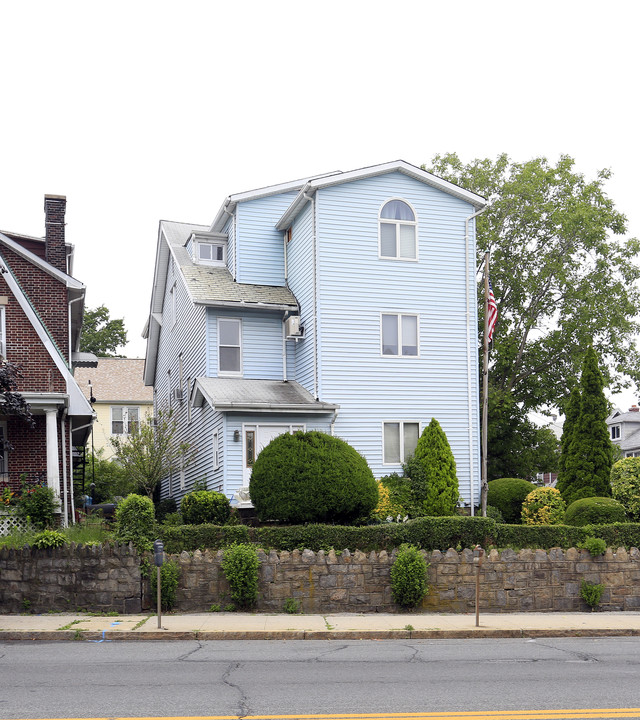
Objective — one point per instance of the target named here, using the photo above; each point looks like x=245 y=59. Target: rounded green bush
x=625 y=485
x=494 y=514
x=594 y=511
x=508 y=494
x=205 y=506
x=409 y=576
x=136 y=521
x=543 y=506
x=312 y=477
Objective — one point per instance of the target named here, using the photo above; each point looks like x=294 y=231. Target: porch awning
x=268 y=396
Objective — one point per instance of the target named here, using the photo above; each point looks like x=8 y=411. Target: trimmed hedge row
x=430 y=533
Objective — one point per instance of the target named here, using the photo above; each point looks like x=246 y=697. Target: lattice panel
x=8 y=523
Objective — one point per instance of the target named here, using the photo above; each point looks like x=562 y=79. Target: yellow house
x=119 y=398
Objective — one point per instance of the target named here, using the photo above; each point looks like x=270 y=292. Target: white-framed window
x=216 y=451
x=229 y=346
x=173 y=306
x=400 y=439
x=212 y=253
x=615 y=432
x=398 y=231
x=3 y=333
x=399 y=334
x=124 y=420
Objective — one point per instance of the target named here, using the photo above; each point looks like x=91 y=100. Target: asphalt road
x=256 y=678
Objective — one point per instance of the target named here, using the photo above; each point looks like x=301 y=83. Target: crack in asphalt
x=319 y=656
x=186 y=656
x=243 y=707
x=584 y=657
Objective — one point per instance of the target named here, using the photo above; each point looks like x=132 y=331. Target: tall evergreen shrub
x=625 y=485
x=571 y=413
x=433 y=452
x=588 y=461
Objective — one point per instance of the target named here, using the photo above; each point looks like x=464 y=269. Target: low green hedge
x=200 y=537
x=428 y=533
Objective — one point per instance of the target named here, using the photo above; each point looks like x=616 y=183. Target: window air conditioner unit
x=177 y=394
x=292 y=326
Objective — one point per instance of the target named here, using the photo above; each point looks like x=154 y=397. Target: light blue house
x=344 y=303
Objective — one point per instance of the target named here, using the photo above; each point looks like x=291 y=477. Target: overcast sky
x=139 y=111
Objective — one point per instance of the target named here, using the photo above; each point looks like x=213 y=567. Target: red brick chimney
x=634 y=408
x=56 y=252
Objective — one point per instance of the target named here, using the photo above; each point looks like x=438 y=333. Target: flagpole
x=485 y=387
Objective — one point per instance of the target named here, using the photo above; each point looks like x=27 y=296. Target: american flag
x=492 y=310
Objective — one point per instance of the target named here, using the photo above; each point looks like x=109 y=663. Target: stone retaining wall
x=109 y=579
x=70 y=578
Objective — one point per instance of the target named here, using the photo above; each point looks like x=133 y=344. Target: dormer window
x=212 y=253
x=615 y=432
x=398 y=231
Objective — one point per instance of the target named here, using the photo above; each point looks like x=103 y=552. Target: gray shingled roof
x=115 y=380
x=228 y=394
x=215 y=285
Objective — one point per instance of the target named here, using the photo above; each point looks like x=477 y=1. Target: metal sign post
x=478 y=563
x=158 y=558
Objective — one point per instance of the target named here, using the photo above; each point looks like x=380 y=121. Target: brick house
x=41 y=311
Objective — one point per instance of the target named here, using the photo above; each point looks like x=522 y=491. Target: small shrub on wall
x=409 y=576
x=240 y=567
x=312 y=477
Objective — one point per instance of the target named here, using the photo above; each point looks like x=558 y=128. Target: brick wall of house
x=49 y=297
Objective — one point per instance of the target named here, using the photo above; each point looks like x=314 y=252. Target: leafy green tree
x=517 y=447
x=152 y=451
x=433 y=452
x=588 y=461
x=625 y=485
x=101 y=335
x=563 y=276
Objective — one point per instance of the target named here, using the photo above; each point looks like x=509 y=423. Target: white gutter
x=467 y=220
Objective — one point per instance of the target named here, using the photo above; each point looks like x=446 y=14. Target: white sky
x=139 y=111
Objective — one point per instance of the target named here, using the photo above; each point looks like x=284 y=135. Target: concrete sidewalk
x=376 y=626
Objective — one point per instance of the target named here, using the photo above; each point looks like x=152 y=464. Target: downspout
x=284 y=353
x=468 y=317
x=333 y=421
x=65 y=492
x=311 y=199
x=71 y=488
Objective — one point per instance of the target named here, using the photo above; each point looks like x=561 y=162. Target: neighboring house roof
x=630 y=442
x=238 y=395
x=115 y=380
x=618 y=416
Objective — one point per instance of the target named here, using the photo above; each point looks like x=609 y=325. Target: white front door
x=255 y=438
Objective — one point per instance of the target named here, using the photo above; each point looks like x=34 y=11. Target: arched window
x=397 y=231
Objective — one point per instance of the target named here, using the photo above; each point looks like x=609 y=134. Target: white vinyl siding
x=355 y=287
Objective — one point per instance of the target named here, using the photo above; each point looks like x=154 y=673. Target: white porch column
x=53 y=465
